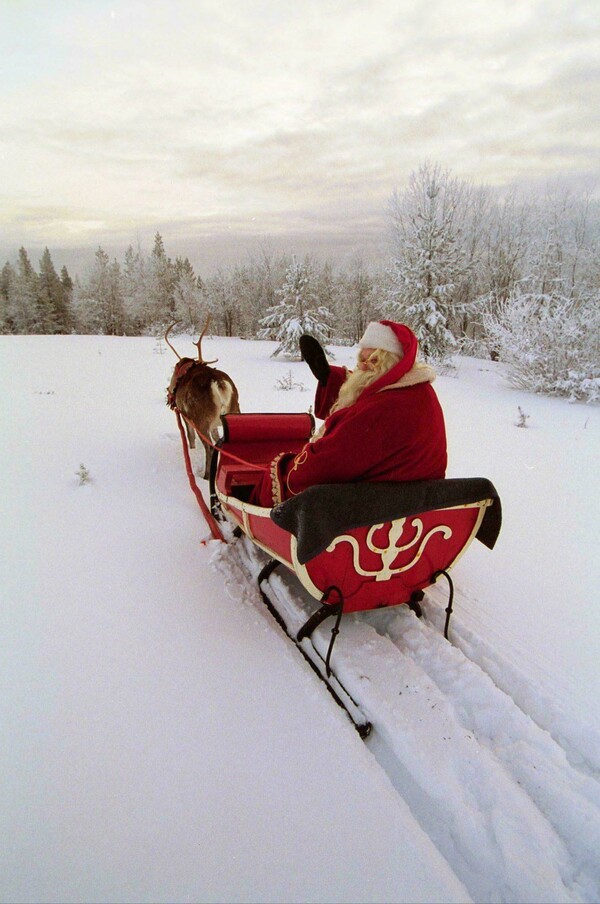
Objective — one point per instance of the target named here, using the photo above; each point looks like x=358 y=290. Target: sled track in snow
x=508 y=799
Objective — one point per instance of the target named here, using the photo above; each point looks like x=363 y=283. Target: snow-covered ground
x=163 y=741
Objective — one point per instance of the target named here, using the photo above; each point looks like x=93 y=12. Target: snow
x=163 y=741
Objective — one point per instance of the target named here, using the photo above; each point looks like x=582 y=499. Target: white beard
x=353 y=386
x=355 y=383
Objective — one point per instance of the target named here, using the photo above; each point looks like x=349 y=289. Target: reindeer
x=201 y=394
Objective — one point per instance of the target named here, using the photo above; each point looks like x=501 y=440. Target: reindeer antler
x=175 y=322
x=199 y=343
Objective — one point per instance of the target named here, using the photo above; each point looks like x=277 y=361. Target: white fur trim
x=419 y=373
x=377 y=335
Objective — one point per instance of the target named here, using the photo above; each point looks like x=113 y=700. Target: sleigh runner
x=354 y=547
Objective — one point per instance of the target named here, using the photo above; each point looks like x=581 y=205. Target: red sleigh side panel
x=379 y=565
x=384 y=564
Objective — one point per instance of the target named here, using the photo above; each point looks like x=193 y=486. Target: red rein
x=210 y=520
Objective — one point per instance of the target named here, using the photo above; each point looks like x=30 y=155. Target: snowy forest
x=515 y=278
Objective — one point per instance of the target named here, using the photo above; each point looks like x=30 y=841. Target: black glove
x=314 y=356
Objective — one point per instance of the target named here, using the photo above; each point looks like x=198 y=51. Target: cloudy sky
x=271 y=117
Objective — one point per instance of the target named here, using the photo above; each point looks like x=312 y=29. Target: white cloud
x=146 y=112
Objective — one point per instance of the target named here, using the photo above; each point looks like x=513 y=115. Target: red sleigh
x=352 y=546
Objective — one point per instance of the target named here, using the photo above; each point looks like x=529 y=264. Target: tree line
x=466 y=268
x=144 y=293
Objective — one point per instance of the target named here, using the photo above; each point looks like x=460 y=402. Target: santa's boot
x=314 y=356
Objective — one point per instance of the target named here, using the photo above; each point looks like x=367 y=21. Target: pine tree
x=52 y=298
x=23 y=297
x=7 y=278
x=429 y=266
x=79 y=308
x=67 y=284
x=298 y=311
x=183 y=266
x=160 y=286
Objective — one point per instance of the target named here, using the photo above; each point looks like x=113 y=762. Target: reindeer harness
x=182 y=369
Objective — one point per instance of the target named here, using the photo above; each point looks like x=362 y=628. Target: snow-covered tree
x=47 y=321
x=355 y=301
x=101 y=299
x=23 y=297
x=325 y=284
x=188 y=297
x=67 y=284
x=565 y=235
x=265 y=273
x=538 y=247
x=505 y=246
x=53 y=301
x=7 y=278
x=245 y=289
x=222 y=302
x=550 y=343
x=160 y=286
x=133 y=282
x=430 y=265
x=298 y=311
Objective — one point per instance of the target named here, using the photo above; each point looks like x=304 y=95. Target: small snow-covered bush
x=83 y=474
x=550 y=343
x=287 y=383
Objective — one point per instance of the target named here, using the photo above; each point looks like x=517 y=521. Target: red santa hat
x=392 y=337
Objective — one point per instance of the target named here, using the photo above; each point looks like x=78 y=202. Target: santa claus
x=382 y=421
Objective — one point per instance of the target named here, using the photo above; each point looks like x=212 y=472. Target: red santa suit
x=394 y=431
